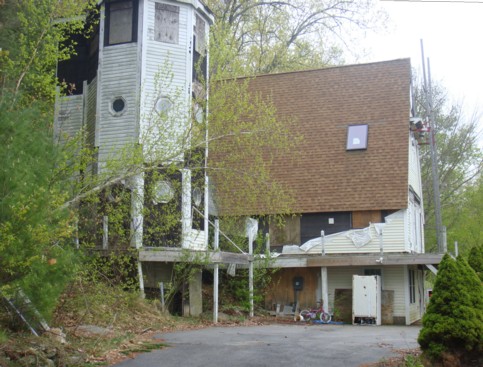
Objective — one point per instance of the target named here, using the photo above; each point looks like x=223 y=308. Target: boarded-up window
x=362 y=219
x=120 y=17
x=166 y=23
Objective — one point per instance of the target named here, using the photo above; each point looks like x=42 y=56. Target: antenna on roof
x=428 y=100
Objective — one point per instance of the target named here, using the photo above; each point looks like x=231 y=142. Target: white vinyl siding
x=69 y=117
x=161 y=61
x=118 y=79
x=393 y=239
x=416 y=307
x=392 y=280
x=414 y=167
x=91 y=115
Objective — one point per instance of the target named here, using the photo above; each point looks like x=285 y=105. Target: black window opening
x=312 y=224
x=200 y=66
x=82 y=64
x=373 y=272
x=121 y=22
x=412 y=287
x=118 y=105
x=357 y=137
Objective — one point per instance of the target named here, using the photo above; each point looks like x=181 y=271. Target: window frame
x=354 y=131
x=412 y=285
x=159 y=27
x=107 y=22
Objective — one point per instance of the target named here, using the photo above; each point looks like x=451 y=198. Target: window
x=166 y=23
x=200 y=30
x=117 y=106
x=372 y=272
x=121 y=22
x=412 y=288
x=357 y=137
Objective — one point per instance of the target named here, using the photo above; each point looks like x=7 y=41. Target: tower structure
x=137 y=82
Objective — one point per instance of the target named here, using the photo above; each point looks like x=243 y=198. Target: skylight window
x=357 y=137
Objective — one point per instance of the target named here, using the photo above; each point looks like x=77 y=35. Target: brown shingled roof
x=325 y=177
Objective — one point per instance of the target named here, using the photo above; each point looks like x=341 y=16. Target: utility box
x=366 y=300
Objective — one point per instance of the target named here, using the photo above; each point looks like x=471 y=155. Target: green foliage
x=3 y=336
x=475 y=260
x=235 y=290
x=35 y=37
x=453 y=322
x=32 y=228
x=190 y=264
x=465 y=220
x=459 y=164
x=256 y=37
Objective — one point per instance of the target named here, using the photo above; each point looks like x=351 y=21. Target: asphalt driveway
x=280 y=345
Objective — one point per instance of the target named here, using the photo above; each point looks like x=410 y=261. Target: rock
x=87 y=330
x=223 y=317
x=57 y=335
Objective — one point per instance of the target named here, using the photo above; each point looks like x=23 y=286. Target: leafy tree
x=453 y=321
x=35 y=233
x=274 y=36
x=31 y=35
x=475 y=260
x=459 y=161
x=464 y=219
x=32 y=229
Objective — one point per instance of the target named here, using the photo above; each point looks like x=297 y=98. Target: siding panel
x=69 y=117
x=166 y=73
x=119 y=79
x=393 y=238
x=91 y=112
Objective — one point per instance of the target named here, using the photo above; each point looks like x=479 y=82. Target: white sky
x=452 y=33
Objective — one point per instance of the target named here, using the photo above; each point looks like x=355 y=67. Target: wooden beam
x=302 y=261
x=167 y=254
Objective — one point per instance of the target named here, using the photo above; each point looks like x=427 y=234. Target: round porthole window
x=198 y=113
x=118 y=106
x=163 y=192
x=163 y=105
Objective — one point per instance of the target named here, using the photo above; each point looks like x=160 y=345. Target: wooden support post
x=161 y=292
x=215 y=273
x=381 y=244
x=250 y=273
x=137 y=203
x=105 y=232
x=325 y=288
x=186 y=220
x=267 y=243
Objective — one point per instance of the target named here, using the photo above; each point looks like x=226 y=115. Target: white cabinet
x=366 y=299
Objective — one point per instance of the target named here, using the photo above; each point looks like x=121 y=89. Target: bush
x=453 y=322
x=475 y=260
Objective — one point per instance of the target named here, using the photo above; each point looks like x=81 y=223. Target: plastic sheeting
x=360 y=237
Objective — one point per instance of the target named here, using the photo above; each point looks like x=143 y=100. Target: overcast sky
x=452 y=33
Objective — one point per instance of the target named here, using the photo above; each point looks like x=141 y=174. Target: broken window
x=166 y=23
x=200 y=44
x=121 y=19
x=357 y=137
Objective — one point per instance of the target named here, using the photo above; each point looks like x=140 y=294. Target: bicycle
x=314 y=314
